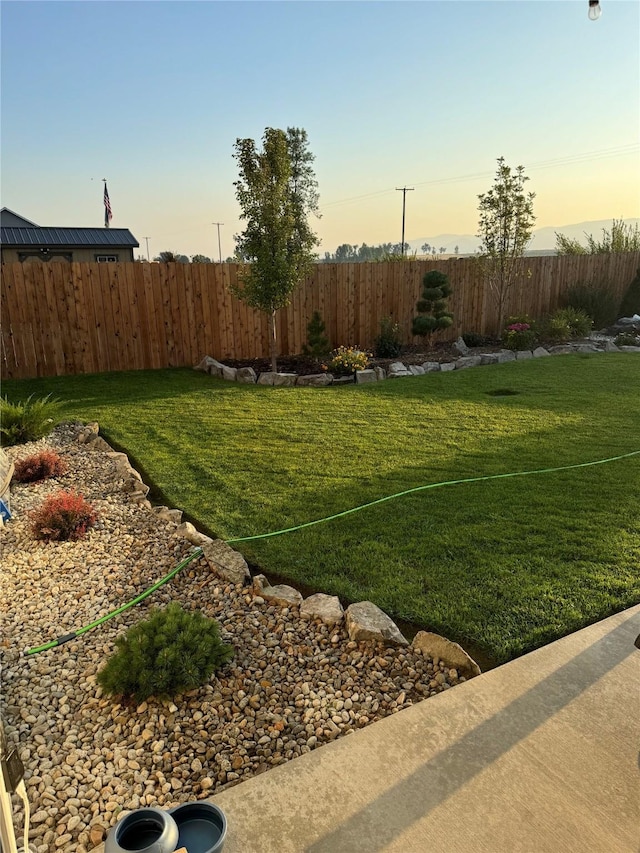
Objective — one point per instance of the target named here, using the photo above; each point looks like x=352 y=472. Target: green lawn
x=505 y=565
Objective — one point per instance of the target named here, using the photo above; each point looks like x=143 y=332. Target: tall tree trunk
x=272 y=342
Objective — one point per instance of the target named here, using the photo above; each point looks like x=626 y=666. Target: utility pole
x=219 y=247
x=404 y=191
x=147 y=239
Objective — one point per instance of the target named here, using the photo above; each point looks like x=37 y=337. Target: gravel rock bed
x=293 y=685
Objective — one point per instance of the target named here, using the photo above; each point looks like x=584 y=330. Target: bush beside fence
x=61 y=319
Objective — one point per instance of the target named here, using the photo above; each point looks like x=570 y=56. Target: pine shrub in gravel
x=169 y=653
x=40 y=466
x=63 y=516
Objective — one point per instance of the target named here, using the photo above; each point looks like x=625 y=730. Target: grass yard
x=505 y=565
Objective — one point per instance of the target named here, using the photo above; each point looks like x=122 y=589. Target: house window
x=107 y=259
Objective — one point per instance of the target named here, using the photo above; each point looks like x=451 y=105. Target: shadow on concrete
x=427 y=788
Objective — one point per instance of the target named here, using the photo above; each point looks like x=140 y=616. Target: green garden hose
x=198 y=551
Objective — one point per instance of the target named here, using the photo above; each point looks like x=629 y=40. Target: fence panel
x=60 y=318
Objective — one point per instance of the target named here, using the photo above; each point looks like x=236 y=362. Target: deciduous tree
x=277 y=191
x=504 y=229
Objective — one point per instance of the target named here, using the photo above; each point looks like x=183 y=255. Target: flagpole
x=107 y=205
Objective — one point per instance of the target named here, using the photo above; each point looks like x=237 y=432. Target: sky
x=153 y=95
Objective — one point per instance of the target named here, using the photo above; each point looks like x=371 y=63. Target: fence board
x=78 y=318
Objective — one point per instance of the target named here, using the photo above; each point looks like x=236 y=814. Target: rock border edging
x=398 y=369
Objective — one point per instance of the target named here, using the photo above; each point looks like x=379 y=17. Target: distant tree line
x=348 y=254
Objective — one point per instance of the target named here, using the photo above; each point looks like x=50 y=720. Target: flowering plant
x=347 y=360
x=519 y=334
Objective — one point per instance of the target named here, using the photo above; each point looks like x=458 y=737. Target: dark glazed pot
x=143 y=831
x=202 y=827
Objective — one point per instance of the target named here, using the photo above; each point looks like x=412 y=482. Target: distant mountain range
x=543 y=239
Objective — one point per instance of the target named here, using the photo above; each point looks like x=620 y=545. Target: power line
x=585 y=156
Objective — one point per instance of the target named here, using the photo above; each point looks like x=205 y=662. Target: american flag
x=107 y=207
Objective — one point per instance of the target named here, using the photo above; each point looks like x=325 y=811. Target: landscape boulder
x=489 y=358
x=315 y=380
x=281 y=594
x=506 y=355
x=431 y=366
x=189 y=532
x=540 y=352
x=449 y=653
x=282 y=379
x=381 y=373
x=167 y=514
x=468 y=361
x=461 y=347
x=524 y=355
x=365 y=376
x=324 y=607
x=397 y=369
x=226 y=562
x=365 y=621
x=246 y=375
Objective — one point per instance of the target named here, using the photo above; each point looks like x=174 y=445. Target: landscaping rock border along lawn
x=389 y=369
x=300 y=676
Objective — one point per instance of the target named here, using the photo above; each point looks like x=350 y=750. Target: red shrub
x=64 y=515
x=39 y=467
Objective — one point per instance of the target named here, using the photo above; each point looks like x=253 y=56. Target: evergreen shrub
x=317 y=345
x=432 y=307
x=169 y=653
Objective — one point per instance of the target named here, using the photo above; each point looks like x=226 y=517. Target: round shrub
x=519 y=334
x=63 y=516
x=474 y=339
x=40 y=466
x=170 y=652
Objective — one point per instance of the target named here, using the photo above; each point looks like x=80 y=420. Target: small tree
x=276 y=192
x=317 y=345
x=432 y=308
x=200 y=259
x=504 y=229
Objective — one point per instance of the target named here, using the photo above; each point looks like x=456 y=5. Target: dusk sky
x=152 y=96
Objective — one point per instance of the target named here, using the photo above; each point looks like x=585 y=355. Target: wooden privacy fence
x=60 y=318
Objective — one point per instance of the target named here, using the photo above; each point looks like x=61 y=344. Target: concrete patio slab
x=537 y=756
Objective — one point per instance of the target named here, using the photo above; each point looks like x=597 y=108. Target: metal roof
x=70 y=238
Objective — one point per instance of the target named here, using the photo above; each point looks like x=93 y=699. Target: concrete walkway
x=537 y=756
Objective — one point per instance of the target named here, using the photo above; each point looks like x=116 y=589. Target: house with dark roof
x=23 y=240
